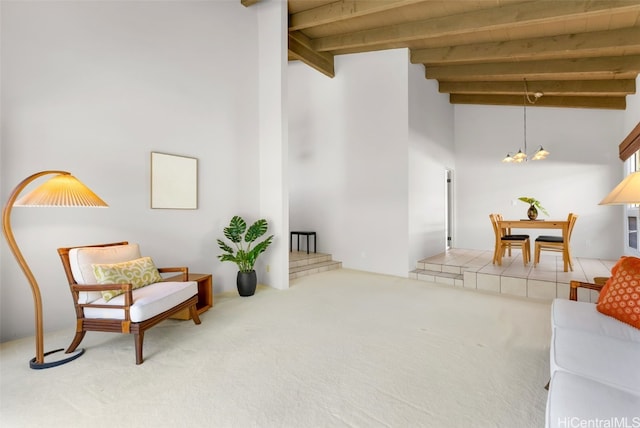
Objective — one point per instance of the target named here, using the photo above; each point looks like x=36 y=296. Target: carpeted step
x=301 y=258
x=310 y=269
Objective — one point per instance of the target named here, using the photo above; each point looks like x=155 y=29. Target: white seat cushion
x=82 y=259
x=577 y=401
x=148 y=301
x=585 y=316
x=604 y=359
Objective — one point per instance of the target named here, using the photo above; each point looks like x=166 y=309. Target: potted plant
x=534 y=206
x=244 y=256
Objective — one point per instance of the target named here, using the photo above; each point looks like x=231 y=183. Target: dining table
x=562 y=225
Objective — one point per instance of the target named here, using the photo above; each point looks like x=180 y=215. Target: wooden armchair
x=596 y=286
x=132 y=310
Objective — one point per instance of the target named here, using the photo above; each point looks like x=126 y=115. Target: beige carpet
x=338 y=349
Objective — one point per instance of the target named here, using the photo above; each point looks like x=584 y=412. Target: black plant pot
x=532 y=213
x=246 y=282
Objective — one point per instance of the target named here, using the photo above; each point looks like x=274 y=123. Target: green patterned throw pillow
x=138 y=273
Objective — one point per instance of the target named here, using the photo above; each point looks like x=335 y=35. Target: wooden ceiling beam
x=615 y=88
x=341 y=10
x=500 y=18
x=614 y=103
x=630 y=144
x=625 y=41
x=626 y=67
x=300 y=49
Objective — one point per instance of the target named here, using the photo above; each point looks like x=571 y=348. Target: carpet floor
x=338 y=349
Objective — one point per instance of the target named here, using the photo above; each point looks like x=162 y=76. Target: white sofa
x=595 y=368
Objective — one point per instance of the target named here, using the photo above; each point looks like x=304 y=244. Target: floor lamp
x=63 y=190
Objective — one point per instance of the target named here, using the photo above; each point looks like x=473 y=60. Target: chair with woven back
x=505 y=241
x=556 y=243
x=116 y=290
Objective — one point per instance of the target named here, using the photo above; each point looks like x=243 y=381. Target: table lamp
x=627 y=192
x=63 y=190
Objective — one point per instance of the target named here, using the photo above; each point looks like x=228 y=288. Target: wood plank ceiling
x=578 y=54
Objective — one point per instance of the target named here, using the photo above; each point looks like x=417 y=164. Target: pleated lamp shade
x=63 y=190
x=627 y=192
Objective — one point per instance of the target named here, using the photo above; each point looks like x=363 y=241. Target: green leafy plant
x=244 y=256
x=534 y=202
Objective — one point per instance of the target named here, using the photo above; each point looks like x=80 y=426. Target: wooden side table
x=205 y=294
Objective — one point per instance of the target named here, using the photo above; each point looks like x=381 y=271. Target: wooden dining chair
x=556 y=243
x=507 y=231
x=505 y=241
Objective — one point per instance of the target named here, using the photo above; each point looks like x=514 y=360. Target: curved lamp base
x=55 y=362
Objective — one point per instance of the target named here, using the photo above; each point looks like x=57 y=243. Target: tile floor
x=474 y=269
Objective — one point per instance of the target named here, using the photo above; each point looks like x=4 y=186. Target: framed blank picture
x=174 y=182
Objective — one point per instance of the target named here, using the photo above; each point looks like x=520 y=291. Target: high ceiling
x=580 y=54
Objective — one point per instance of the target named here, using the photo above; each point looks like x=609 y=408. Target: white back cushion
x=584 y=316
x=82 y=259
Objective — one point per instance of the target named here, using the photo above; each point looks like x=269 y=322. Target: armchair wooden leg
x=139 y=338
x=76 y=341
x=194 y=314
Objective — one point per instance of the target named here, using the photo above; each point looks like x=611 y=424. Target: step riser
x=310 y=261
x=438 y=277
x=302 y=264
x=311 y=269
x=472 y=278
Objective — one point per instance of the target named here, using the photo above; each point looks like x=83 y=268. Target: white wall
x=273 y=267
x=632 y=113
x=431 y=149
x=368 y=150
x=348 y=141
x=582 y=168
x=93 y=88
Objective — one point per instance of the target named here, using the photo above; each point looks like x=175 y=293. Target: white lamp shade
x=520 y=156
x=508 y=158
x=627 y=192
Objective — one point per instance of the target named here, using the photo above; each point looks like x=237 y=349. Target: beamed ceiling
x=580 y=54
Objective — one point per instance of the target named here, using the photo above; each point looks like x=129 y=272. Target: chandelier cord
x=521 y=156
x=526 y=93
x=525 y=115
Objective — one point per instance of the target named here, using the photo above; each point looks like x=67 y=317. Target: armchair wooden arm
x=101 y=287
x=184 y=270
x=574 y=285
x=127 y=291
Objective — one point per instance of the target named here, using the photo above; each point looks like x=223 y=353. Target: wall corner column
x=273 y=134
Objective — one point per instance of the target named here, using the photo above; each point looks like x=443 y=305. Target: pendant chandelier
x=521 y=156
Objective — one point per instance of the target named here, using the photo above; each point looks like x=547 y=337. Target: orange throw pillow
x=620 y=297
x=605 y=287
